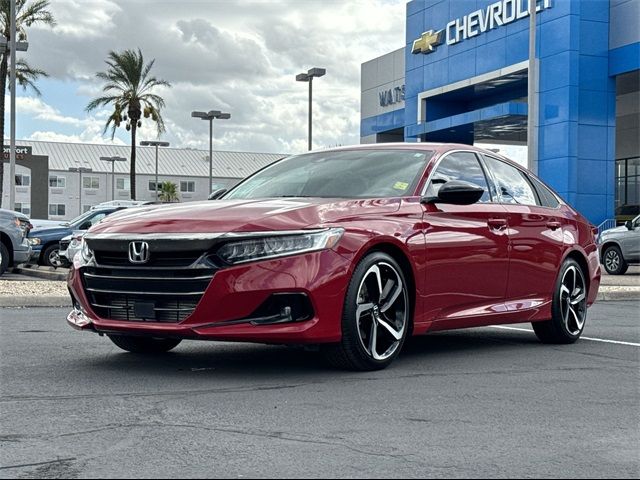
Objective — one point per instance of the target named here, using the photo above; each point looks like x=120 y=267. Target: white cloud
x=238 y=56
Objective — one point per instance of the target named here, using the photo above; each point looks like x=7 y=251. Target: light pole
x=210 y=116
x=532 y=87
x=13 y=47
x=80 y=171
x=308 y=77
x=154 y=143
x=113 y=161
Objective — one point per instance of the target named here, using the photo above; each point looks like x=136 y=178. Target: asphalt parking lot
x=475 y=403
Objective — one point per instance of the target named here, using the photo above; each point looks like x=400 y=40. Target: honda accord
x=351 y=250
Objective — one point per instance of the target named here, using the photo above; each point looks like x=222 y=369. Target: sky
x=236 y=56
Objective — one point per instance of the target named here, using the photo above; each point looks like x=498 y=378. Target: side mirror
x=457 y=192
x=629 y=224
x=216 y=194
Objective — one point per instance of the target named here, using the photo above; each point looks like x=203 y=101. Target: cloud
x=237 y=56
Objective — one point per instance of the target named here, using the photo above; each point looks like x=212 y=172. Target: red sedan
x=351 y=249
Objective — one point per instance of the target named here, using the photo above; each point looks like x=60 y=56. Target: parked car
x=620 y=247
x=14 y=247
x=351 y=249
x=70 y=246
x=45 y=240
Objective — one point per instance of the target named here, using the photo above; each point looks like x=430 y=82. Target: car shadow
x=268 y=361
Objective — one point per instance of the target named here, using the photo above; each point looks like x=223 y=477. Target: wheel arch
x=607 y=244
x=581 y=260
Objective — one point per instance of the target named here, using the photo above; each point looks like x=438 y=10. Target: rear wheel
x=376 y=316
x=144 y=344
x=4 y=258
x=569 y=308
x=613 y=261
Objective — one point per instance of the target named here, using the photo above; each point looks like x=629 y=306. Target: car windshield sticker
x=401 y=186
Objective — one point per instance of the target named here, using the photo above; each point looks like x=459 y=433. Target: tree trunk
x=132 y=171
x=3 y=88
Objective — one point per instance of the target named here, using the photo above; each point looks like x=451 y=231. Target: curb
x=43 y=272
x=28 y=302
x=611 y=295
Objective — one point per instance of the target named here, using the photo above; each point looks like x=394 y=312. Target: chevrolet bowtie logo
x=428 y=42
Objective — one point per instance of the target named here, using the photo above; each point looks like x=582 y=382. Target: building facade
x=65 y=194
x=465 y=81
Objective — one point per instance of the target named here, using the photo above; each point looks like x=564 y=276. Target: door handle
x=497 y=223
x=553 y=225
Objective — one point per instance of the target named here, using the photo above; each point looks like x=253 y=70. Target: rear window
x=546 y=196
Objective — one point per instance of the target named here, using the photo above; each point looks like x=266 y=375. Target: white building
x=187 y=168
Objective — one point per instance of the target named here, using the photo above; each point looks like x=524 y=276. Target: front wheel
x=51 y=257
x=4 y=258
x=569 y=307
x=376 y=316
x=144 y=344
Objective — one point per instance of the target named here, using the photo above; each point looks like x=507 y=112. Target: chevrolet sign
x=493 y=16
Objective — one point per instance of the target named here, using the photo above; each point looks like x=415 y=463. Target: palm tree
x=26 y=15
x=168 y=192
x=128 y=89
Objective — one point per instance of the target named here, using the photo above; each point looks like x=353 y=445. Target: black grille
x=145 y=295
x=157 y=259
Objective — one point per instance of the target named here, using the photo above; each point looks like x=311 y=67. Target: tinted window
x=337 y=174
x=459 y=166
x=512 y=184
x=547 y=198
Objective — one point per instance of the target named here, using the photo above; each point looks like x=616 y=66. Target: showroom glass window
x=512 y=184
x=338 y=174
x=459 y=166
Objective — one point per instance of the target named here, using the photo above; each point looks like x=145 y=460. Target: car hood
x=221 y=216
x=50 y=231
x=615 y=231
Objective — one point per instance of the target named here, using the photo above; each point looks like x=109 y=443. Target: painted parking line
x=601 y=340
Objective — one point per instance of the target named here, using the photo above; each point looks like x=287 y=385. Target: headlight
x=85 y=252
x=277 y=246
x=33 y=241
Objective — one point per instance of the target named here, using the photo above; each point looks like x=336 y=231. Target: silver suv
x=14 y=247
x=620 y=247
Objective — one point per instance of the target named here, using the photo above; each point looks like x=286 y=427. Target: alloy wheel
x=573 y=300
x=612 y=260
x=54 y=259
x=382 y=311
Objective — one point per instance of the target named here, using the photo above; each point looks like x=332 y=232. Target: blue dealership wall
x=576 y=97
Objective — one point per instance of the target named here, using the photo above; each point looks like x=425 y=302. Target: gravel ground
x=11 y=288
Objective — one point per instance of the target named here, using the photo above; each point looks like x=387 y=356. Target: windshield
x=341 y=174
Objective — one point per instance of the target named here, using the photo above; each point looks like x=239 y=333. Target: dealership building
x=49 y=184
x=462 y=77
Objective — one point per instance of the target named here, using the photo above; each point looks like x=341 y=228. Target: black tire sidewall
x=621 y=266
x=556 y=310
x=351 y=336
x=4 y=264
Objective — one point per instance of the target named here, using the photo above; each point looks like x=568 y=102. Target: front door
x=467 y=247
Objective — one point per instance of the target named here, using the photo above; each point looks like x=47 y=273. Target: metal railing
x=606 y=225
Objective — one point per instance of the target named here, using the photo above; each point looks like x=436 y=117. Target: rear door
x=536 y=232
x=467 y=246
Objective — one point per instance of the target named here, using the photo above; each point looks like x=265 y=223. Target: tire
x=50 y=257
x=568 y=309
x=4 y=258
x=145 y=345
x=613 y=261
x=375 y=323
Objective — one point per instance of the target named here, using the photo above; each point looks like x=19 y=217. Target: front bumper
x=234 y=294
x=22 y=254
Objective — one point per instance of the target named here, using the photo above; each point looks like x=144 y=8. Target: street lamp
x=113 y=161
x=80 y=171
x=155 y=143
x=308 y=77
x=210 y=116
